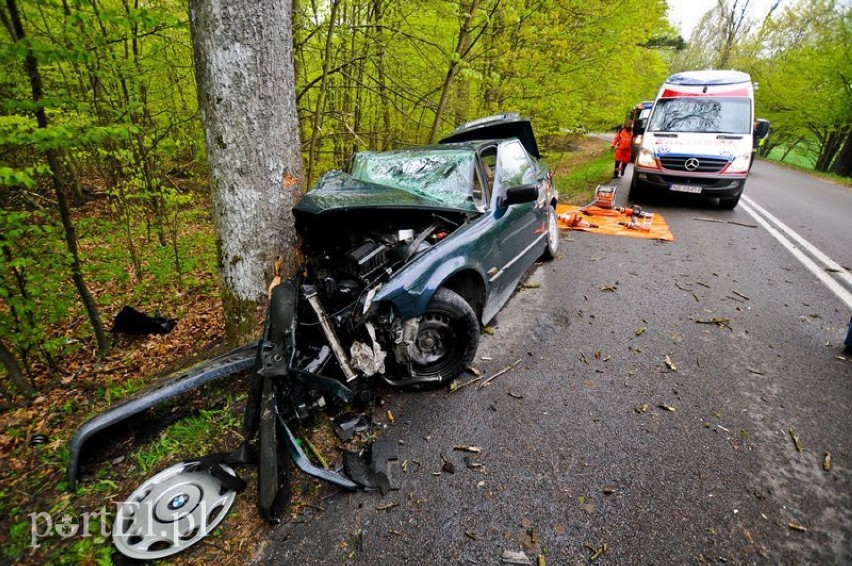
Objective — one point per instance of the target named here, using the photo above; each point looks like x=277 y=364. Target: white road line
x=819 y=272
x=807 y=246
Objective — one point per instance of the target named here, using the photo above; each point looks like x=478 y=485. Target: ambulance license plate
x=685 y=189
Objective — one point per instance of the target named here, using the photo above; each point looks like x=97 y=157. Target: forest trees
x=120 y=100
x=805 y=76
x=800 y=55
x=93 y=110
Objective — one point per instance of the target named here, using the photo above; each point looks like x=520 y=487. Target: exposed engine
x=347 y=259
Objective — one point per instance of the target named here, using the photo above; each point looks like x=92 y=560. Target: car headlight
x=740 y=164
x=646 y=158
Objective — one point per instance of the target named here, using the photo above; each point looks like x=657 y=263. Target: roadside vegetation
x=578 y=173
x=803 y=162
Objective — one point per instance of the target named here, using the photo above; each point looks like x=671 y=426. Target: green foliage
x=800 y=55
x=563 y=64
x=31 y=300
x=803 y=72
x=194 y=435
x=577 y=185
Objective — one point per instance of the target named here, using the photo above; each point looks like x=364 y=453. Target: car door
x=516 y=227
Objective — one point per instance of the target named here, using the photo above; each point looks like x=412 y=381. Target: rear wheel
x=552 y=234
x=447 y=338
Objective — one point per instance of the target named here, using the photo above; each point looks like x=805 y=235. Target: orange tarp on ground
x=606 y=221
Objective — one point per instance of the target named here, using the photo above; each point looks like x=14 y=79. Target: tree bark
x=830 y=147
x=462 y=47
x=55 y=165
x=320 y=102
x=14 y=370
x=246 y=91
x=843 y=163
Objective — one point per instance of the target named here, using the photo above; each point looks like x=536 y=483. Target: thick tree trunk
x=830 y=147
x=246 y=92
x=843 y=163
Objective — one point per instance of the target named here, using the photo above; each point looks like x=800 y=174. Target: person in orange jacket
x=622 y=143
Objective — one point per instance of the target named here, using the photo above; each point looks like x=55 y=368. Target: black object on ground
x=131 y=321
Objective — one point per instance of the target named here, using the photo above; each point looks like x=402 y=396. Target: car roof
x=498 y=127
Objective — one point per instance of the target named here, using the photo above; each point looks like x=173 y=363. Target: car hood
x=337 y=191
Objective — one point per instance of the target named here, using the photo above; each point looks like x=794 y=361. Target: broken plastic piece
x=131 y=321
x=346 y=426
x=383 y=470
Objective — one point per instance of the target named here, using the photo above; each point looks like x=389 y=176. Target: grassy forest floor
x=36 y=511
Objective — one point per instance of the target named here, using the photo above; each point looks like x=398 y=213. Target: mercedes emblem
x=691 y=164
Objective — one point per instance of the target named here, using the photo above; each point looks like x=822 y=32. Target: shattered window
x=441 y=174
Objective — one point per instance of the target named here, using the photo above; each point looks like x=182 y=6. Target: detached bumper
x=227 y=364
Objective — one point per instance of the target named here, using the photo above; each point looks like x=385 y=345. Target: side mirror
x=761 y=129
x=521 y=193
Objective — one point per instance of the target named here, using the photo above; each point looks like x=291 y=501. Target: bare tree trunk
x=17 y=378
x=320 y=105
x=246 y=92
x=830 y=145
x=55 y=165
x=462 y=47
x=385 y=137
x=843 y=164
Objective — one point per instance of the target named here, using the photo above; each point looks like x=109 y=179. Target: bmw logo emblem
x=178 y=502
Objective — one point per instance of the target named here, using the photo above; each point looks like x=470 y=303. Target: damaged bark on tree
x=245 y=75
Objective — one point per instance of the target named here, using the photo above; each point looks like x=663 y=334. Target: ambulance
x=698 y=139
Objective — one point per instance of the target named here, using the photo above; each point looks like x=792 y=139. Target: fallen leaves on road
x=796 y=441
x=467 y=448
x=597 y=552
x=797 y=527
x=610 y=288
x=826 y=461
x=640 y=331
x=666 y=407
x=670 y=364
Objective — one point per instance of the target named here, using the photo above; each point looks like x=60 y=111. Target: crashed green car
x=408 y=252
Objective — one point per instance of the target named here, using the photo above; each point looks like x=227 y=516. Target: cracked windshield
x=444 y=175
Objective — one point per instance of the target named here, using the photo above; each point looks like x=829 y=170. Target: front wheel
x=637 y=193
x=447 y=338
x=552 y=235
x=730 y=203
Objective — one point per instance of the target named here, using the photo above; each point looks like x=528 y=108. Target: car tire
x=552 y=240
x=637 y=193
x=446 y=340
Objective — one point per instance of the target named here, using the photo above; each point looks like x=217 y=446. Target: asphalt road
x=595 y=446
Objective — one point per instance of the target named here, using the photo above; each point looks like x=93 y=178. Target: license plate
x=685 y=189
